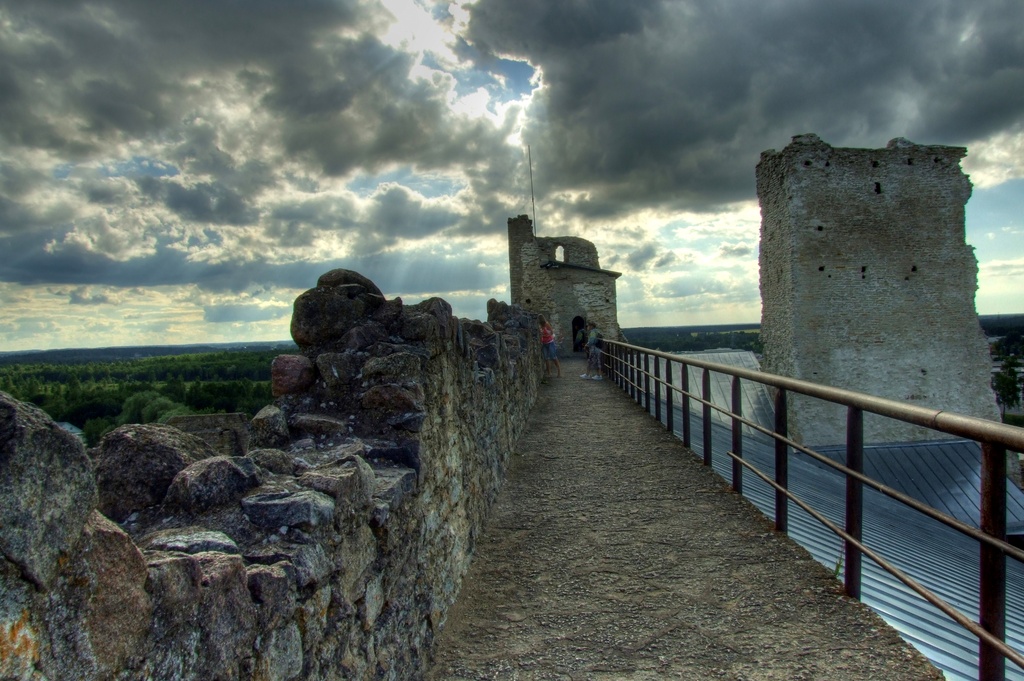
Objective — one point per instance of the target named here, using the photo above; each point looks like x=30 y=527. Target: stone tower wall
x=561 y=293
x=867 y=282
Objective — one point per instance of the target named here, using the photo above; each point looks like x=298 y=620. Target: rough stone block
x=290 y=374
x=47 y=489
x=136 y=464
x=217 y=481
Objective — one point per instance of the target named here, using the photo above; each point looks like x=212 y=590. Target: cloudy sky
x=176 y=172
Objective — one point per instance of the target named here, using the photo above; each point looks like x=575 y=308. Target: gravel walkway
x=613 y=553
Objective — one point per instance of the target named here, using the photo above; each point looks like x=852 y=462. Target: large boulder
x=98 y=614
x=217 y=481
x=136 y=463
x=47 y=489
x=323 y=315
x=204 y=618
x=342 y=277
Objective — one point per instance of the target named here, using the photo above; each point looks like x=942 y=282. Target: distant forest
x=100 y=389
x=696 y=338
x=1009 y=328
x=99 y=395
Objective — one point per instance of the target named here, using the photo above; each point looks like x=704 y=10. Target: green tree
x=131 y=410
x=1007 y=385
x=95 y=429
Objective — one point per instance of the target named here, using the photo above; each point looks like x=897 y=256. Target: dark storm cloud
x=735 y=250
x=419 y=272
x=672 y=102
x=397 y=211
x=646 y=257
x=82 y=296
x=209 y=202
x=118 y=66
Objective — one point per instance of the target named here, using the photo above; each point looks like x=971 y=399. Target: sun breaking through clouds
x=179 y=172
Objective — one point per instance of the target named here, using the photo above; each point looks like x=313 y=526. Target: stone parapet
x=332 y=548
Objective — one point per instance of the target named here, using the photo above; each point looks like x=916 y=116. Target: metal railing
x=630 y=368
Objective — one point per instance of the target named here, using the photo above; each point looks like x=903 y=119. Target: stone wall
x=561 y=290
x=332 y=549
x=867 y=282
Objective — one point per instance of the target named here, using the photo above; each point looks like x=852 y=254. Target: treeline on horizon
x=98 y=389
x=98 y=396
x=696 y=338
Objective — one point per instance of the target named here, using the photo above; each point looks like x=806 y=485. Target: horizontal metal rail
x=629 y=366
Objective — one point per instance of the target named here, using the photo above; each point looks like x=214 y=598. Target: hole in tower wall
x=874 y=164
x=878 y=187
x=821 y=269
x=820 y=228
x=807 y=163
x=863 y=269
x=910 y=161
x=913 y=268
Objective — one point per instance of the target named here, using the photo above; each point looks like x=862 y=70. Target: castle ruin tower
x=561 y=278
x=867 y=283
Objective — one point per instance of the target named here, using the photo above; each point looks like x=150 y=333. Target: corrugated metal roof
x=943 y=474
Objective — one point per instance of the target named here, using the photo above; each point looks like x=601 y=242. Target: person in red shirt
x=549 y=348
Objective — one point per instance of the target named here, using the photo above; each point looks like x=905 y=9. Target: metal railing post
x=684 y=380
x=629 y=372
x=669 y=415
x=737 y=436
x=854 y=500
x=706 y=394
x=657 y=390
x=647 y=383
x=992 y=605
x=781 y=461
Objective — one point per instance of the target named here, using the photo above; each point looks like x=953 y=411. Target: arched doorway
x=578 y=323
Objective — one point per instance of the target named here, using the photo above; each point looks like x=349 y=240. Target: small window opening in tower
x=878 y=187
x=560 y=254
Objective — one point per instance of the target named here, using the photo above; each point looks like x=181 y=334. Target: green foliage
x=693 y=339
x=98 y=396
x=1007 y=385
x=1012 y=344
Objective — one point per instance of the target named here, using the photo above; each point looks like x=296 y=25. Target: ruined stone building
x=561 y=278
x=867 y=282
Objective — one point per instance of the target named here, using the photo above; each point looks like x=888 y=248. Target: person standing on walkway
x=549 y=348
x=593 y=352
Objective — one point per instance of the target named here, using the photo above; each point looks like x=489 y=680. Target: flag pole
x=532 y=200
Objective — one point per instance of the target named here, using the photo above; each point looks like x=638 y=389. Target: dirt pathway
x=612 y=553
